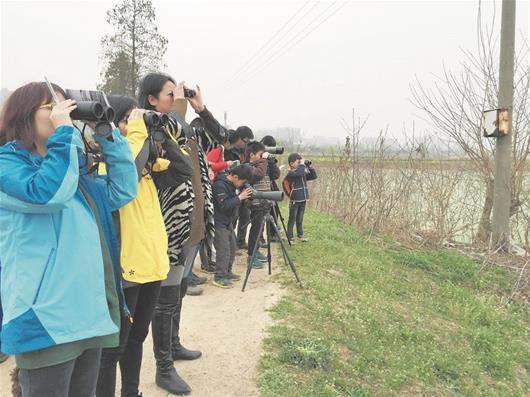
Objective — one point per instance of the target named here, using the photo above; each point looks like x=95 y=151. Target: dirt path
x=227 y=326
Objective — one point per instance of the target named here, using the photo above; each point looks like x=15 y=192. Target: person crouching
x=226 y=202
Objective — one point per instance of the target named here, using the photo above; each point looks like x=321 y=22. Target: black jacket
x=298 y=178
x=233 y=155
x=214 y=132
x=225 y=201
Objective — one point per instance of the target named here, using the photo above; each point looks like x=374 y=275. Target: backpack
x=287 y=186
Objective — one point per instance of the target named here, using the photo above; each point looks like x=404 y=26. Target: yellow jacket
x=143 y=233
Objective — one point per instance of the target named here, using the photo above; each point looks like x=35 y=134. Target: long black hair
x=152 y=84
x=121 y=105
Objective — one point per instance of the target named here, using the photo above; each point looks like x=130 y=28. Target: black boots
x=178 y=351
x=172 y=382
x=166 y=375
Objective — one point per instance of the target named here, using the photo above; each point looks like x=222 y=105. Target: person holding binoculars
x=58 y=246
x=188 y=214
x=295 y=185
x=143 y=239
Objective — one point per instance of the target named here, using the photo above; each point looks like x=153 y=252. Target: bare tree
x=454 y=107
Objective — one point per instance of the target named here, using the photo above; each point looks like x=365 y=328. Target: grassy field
x=377 y=319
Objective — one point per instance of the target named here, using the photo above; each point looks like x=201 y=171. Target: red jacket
x=216 y=159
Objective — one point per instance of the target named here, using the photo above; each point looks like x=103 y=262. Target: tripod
x=268 y=222
x=278 y=213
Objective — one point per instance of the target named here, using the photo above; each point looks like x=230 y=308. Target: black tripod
x=268 y=223
x=278 y=213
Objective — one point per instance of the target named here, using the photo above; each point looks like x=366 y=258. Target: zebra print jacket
x=176 y=199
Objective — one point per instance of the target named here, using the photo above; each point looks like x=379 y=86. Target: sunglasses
x=46 y=106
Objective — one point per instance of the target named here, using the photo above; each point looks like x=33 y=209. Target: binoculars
x=155 y=119
x=92 y=106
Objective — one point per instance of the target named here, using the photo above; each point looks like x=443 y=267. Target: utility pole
x=503 y=147
x=226 y=117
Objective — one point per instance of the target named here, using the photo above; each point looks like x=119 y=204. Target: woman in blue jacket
x=57 y=245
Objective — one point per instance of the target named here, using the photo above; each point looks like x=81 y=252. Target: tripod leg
x=286 y=256
x=253 y=256
x=277 y=209
x=268 y=232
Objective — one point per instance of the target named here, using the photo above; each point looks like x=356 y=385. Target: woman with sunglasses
x=59 y=298
x=143 y=245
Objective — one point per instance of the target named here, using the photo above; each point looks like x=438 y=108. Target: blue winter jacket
x=298 y=178
x=52 y=276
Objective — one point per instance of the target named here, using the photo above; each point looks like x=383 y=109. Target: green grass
x=376 y=319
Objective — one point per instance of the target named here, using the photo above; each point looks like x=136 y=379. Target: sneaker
x=233 y=277
x=256 y=264
x=222 y=282
x=209 y=268
x=194 y=290
x=196 y=280
x=302 y=239
x=261 y=257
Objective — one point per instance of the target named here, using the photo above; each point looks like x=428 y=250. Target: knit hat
x=293 y=157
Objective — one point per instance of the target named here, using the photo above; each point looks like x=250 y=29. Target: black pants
x=225 y=247
x=242 y=226
x=141 y=300
x=256 y=216
x=296 y=214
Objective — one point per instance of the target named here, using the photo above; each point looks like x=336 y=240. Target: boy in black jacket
x=226 y=202
x=300 y=171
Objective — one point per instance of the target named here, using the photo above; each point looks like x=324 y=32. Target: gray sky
x=364 y=55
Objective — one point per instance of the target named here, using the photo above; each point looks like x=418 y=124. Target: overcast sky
x=363 y=54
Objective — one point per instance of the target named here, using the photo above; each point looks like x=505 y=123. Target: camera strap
x=141 y=160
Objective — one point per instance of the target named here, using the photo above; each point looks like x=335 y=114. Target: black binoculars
x=155 y=119
x=91 y=106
